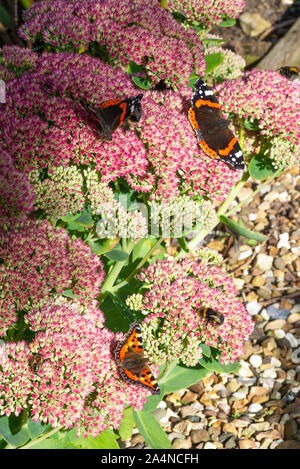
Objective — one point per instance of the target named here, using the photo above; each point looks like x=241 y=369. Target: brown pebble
x=199 y=435
x=273 y=434
x=290 y=429
x=247 y=444
x=189 y=397
x=289 y=444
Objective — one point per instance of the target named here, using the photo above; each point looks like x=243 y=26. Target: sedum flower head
x=129 y=30
x=60 y=193
x=174 y=327
x=209 y=12
x=16 y=193
x=271 y=103
x=38 y=261
x=15 y=61
x=46 y=131
x=77 y=383
x=180 y=215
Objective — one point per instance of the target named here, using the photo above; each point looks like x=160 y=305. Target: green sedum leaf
x=151 y=430
x=127 y=424
x=117 y=255
x=261 y=167
x=241 y=230
x=213 y=61
x=227 y=23
x=12 y=431
x=213 y=364
x=5 y=18
x=142 y=82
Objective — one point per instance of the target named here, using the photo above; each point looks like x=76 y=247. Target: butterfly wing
x=212 y=131
x=132 y=363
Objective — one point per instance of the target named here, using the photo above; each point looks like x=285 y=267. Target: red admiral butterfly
x=132 y=364
x=113 y=113
x=212 y=316
x=213 y=133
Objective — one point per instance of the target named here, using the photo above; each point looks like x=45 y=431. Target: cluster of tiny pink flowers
x=77 y=383
x=131 y=30
x=37 y=261
x=178 y=161
x=44 y=128
x=15 y=60
x=16 y=193
x=268 y=99
x=60 y=193
x=176 y=291
x=209 y=12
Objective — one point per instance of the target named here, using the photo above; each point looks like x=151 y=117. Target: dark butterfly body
x=132 y=364
x=212 y=316
x=212 y=130
x=113 y=113
x=35 y=362
x=292 y=73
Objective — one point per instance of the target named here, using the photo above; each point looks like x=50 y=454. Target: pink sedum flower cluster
x=45 y=130
x=77 y=383
x=16 y=193
x=38 y=261
x=272 y=102
x=15 y=61
x=129 y=30
x=209 y=12
x=174 y=328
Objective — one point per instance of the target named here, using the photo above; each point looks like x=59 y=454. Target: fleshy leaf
x=151 y=430
x=241 y=230
x=261 y=167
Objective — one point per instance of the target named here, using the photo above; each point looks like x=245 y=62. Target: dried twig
x=280 y=297
x=268 y=31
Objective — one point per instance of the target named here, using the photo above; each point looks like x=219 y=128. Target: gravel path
x=260 y=406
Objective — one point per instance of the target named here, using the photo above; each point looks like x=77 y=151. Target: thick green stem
x=113 y=275
x=41 y=438
x=233 y=193
x=138 y=267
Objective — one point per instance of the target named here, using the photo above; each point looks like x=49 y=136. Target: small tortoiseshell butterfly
x=113 y=113
x=212 y=316
x=212 y=131
x=132 y=363
x=35 y=362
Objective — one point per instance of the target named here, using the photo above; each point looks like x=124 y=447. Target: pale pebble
x=283 y=241
x=269 y=373
x=245 y=254
x=292 y=339
x=209 y=445
x=253 y=408
x=255 y=360
x=246 y=381
x=264 y=315
x=275 y=362
x=279 y=333
x=239 y=395
x=264 y=262
x=253 y=307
